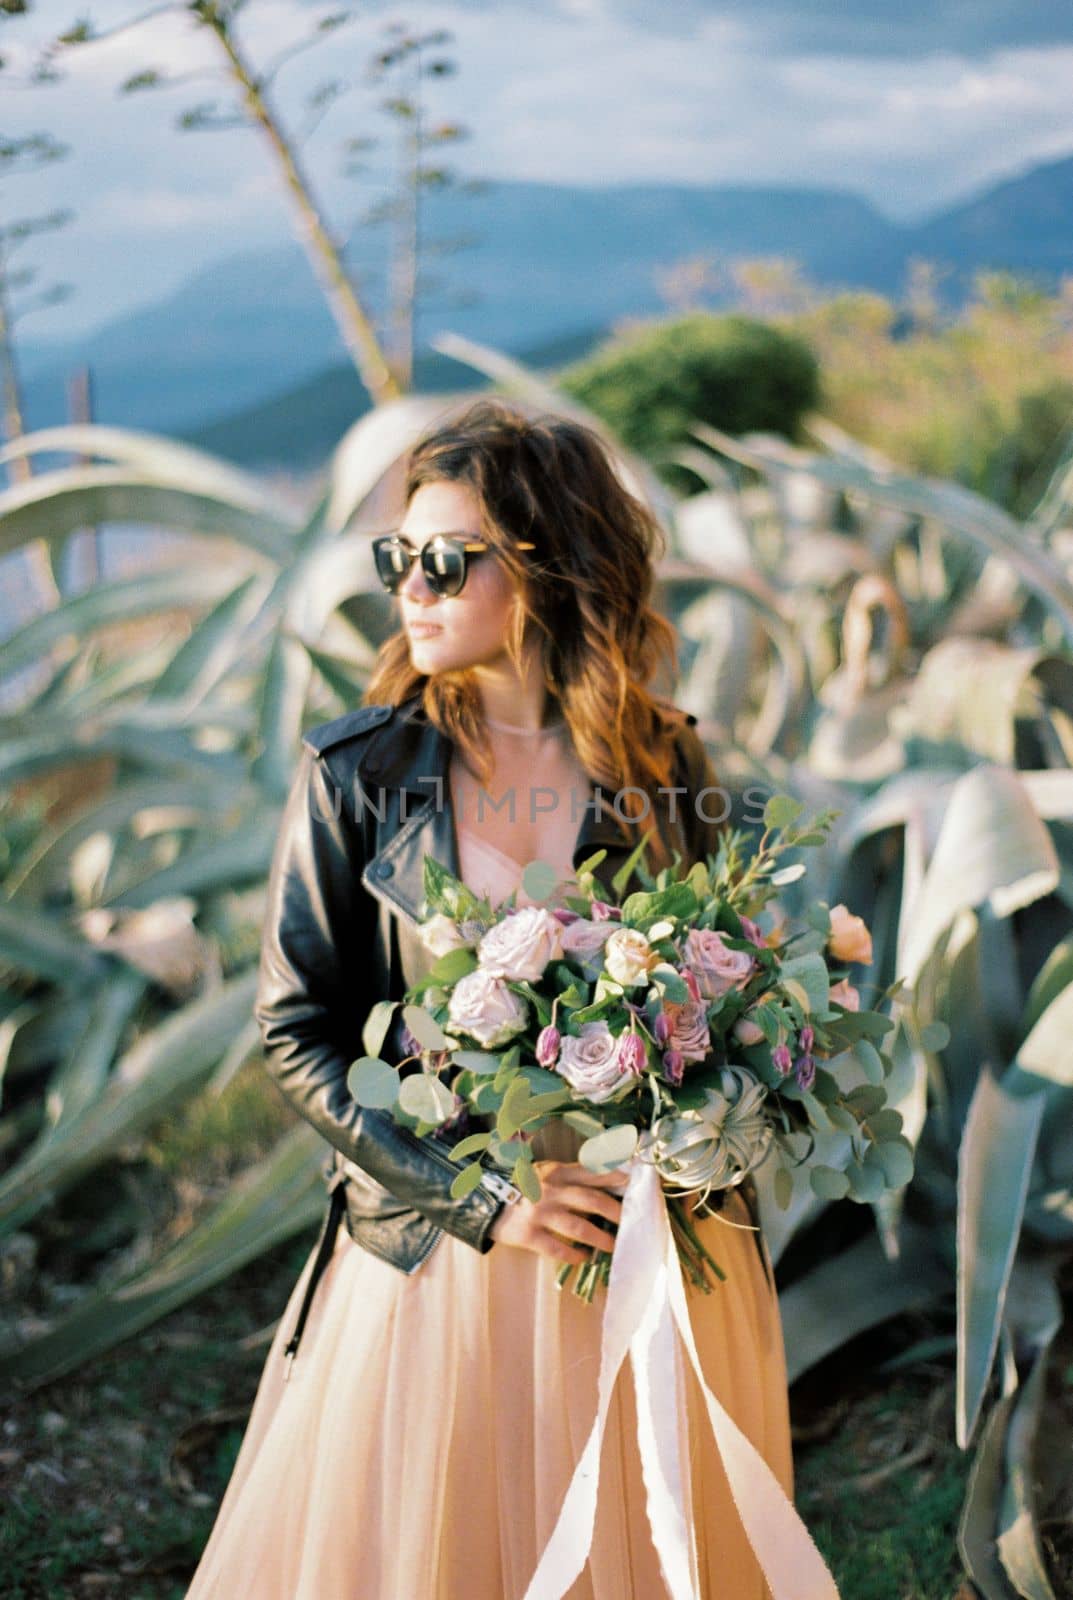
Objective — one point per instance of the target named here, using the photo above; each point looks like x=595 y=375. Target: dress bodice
x=486 y=869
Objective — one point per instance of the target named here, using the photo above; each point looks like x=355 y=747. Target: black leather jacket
x=367 y=803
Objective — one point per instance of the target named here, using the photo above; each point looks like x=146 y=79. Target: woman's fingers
x=597 y=1201
x=575 y=1226
x=572 y=1172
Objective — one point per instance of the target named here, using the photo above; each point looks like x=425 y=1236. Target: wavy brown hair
x=585 y=589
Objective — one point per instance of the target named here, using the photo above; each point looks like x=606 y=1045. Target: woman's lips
x=423 y=630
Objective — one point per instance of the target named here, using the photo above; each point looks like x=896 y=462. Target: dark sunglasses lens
x=393 y=562
x=444 y=564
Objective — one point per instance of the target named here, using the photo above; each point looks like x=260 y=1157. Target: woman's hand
x=571 y=1196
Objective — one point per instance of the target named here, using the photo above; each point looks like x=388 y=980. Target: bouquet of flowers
x=684 y=1027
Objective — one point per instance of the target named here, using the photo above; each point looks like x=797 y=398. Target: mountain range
x=245 y=358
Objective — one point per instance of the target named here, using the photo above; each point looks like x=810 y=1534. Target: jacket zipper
x=501 y=1187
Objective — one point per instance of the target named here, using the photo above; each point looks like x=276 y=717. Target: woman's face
x=457 y=631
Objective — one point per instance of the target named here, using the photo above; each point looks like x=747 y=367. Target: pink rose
x=594 y=1063
x=484 y=1007
x=689 y=1029
x=717 y=968
x=521 y=946
x=846 y=995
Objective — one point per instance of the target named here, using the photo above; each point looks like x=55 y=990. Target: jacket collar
x=410 y=753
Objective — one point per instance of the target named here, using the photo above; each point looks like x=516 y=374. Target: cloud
x=828 y=93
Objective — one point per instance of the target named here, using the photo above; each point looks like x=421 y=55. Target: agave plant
x=952 y=755
x=891 y=647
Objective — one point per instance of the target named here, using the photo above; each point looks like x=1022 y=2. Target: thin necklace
x=510 y=727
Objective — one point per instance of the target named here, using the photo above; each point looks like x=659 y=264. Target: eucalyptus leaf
x=423 y=1095
x=373 y=1083
x=610 y=1149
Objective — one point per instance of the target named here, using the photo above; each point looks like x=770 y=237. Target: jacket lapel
x=403 y=770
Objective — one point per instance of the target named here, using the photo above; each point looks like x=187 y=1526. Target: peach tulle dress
x=423 y=1445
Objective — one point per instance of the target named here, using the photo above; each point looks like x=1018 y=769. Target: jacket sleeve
x=311 y=1004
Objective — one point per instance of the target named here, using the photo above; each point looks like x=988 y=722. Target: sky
x=912 y=108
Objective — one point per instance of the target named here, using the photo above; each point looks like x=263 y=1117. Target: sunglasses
x=445 y=560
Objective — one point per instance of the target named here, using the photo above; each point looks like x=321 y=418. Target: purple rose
x=781 y=1059
x=751 y=931
x=716 y=967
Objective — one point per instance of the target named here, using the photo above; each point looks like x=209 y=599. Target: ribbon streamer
x=645 y=1315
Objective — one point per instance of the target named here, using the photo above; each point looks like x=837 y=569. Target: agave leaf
x=994 y=1167
x=709 y=690
x=35 y=943
x=992 y=848
x=197 y=666
x=169 y=749
x=282 y=698
x=153 y=453
x=980 y=522
x=819 y=1316
x=55 y=504
x=976 y=1530
x=242 y=855
x=120 y=600
x=80 y=1078
x=166 y=1065
x=1036 y=1312
x=193 y=802
x=972 y=691
x=373 y=445
x=280 y=1197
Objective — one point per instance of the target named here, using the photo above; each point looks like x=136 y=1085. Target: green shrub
x=734 y=372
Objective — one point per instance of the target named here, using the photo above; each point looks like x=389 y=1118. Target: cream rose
x=441 y=934
x=849 y=938
x=594 y=1063
x=746 y=1031
x=717 y=969
x=483 y=1006
x=627 y=957
x=521 y=946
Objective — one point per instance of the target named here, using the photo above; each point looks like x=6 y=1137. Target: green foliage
x=652 y=383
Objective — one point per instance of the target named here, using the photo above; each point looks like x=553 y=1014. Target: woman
x=421 y=1413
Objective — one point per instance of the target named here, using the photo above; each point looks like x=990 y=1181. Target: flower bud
x=601 y=911
x=690 y=979
x=673 y=1066
x=632 y=1054
x=547 y=1045
x=751 y=931
x=805 y=1071
x=781 y=1059
x=806 y=1038
x=661 y=1028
